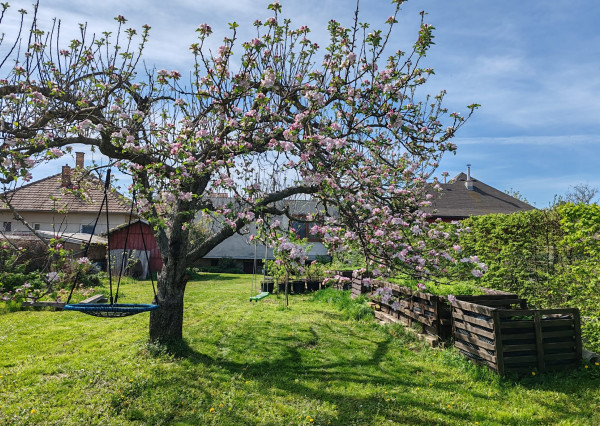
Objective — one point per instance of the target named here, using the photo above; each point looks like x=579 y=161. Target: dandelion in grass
x=212 y=410
x=586 y=366
x=533 y=373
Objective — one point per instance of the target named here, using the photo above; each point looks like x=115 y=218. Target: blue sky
x=534 y=66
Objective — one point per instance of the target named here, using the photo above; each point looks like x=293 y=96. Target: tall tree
x=582 y=193
x=343 y=126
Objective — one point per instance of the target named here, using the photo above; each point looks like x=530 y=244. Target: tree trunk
x=166 y=322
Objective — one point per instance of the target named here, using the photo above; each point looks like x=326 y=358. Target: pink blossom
x=477 y=273
x=204 y=29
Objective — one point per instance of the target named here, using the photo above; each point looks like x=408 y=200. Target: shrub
x=549 y=257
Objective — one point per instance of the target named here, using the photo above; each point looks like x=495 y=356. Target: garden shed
x=138 y=242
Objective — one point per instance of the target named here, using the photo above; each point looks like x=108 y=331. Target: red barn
x=136 y=236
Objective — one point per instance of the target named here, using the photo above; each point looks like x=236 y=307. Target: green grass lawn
x=256 y=363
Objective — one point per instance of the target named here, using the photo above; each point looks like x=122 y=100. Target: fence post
x=539 y=341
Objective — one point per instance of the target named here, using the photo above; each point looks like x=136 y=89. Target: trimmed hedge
x=549 y=257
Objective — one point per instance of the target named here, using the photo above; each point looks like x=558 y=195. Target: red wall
x=135 y=242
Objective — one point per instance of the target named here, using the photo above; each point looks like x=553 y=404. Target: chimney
x=79 y=159
x=469 y=182
x=66 y=176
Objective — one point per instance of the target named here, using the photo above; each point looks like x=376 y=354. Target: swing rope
x=254 y=294
x=87 y=247
x=113 y=309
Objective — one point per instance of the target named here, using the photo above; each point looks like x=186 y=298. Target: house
x=465 y=196
x=239 y=247
x=53 y=208
x=50 y=204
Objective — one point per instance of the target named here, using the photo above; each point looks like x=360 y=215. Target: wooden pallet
x=517 y=340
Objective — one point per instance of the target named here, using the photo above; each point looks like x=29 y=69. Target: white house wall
x=239 y=247
x=61 y=223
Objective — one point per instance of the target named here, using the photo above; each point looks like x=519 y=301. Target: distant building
x=53 y=209
x=137 y=242
x=239 y=247
x=465 y=196
x=49 y=205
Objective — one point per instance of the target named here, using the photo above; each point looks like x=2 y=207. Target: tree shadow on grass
x=276 y=361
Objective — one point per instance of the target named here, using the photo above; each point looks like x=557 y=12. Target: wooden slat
x=529 y=359
x=485 y=297
x=517 y=324
x=571 y=345
x=577 y=331
x=385 y=317
x=472 y=320
x=97 y=298
x=499 y=302
x=567 y=322
x=525 y=312
x=475 y=341
x=498 y=341
x=537 y=318
x=562 y=357
x=56 y=305
x=481 y=353
x=518 y=336
x=472 y=307
x=516 y=348
x=484 y=333
x=561 y=333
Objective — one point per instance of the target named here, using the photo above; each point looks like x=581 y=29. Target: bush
x=549 y=257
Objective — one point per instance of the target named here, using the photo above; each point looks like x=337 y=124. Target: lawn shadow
x=283 y=370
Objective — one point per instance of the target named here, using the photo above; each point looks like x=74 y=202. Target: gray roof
x=455 y=201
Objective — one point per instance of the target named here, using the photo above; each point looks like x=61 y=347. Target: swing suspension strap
x=87 y=247
x=147 y=257
x=254 y=266
x=113 y=310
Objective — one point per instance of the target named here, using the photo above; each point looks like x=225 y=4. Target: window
x=87 y=229
x=36 y=226
x=7 y=226
x=303 y=230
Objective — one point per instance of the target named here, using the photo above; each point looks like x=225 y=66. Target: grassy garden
x=257 y=363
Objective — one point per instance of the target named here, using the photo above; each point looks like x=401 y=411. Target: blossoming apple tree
x=264 y=120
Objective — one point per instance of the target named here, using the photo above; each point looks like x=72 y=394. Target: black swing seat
x=116 y=310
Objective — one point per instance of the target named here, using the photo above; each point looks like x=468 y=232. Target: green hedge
x=550 y=257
